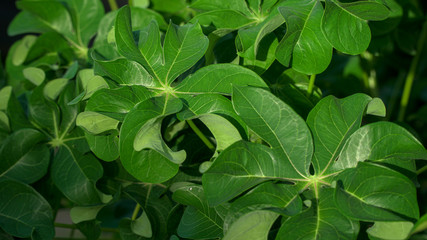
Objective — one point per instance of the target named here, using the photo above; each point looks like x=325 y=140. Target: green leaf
x=390 y=230
x=77 y=183
x=116 y=103
x=13 y=108
x=209 y=5
x=104 y=147
x=240 y=167
x=219 y=78
x=281 y=198
x=225 y=18
x=23 y=158
x=5 y=95
x=54 y=87
x=96 y=123
x=304 y=43
x=44 y=112
x=125 y=72
x=376 y=107
x=147 y=165
x=200 y=221
x=379 y=141
x=42 y=16
x=142 y=226
x=253 y=225
x=332 y=121
x=420 y=225
x=155 y=204
x=322 y=221
x=265 y=55
x=345 y=26
x=85 y=16
x=82 y=214
x=183 y=47
x=24 y=212
x=34 y=75
x=279 y=125
x=372 y=192
x=21 y=52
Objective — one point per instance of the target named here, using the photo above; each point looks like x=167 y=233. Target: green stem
x=113 y=5
x=73 y=226
x=201 y=135
x=421 y=170
x=136 y=211
x=411 y=74
x=311 y=85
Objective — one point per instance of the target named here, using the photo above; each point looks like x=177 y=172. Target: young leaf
x=304 y=41
x=34 y=75
x=96 y=123
x=390 y=230
x=155 y=164
x=255 y=224
x=24 y=212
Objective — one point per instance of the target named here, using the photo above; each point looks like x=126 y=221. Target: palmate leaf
x=183 y=47
x=24 y=212
x=343 y=189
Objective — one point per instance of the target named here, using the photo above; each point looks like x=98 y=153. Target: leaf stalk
x=201 y=135
x=411 y=74
x=113 y=5
x=311 y=85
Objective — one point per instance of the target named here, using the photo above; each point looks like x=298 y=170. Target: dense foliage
x=215 y=119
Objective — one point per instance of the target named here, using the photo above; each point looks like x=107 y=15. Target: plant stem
x=201 y=135
x=411 y=74
x=113 y=5
x=421 y=170
x=136 y=211
x=311 y=85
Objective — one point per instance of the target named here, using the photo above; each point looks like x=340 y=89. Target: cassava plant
x=175 y=119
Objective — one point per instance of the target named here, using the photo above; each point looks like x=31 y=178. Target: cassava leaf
x=24 y=212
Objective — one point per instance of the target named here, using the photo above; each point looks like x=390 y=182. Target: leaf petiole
x=311 y=85
x=201 y=135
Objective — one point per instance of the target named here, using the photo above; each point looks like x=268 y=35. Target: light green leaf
x=379 y=141
x=345 y=26
x=54 y=87
x=142 y=226
x=420 y=225
x=82 y=214
x=149 y=136
x=372 y=192
x=93 y=85
x=265 y=56
x=304 y=41
x=279 y=125
x=21 y=52
x=224 y=132
x=332 y=121
x=253 y=225
x=24 y=212
x=390 y=230
x=96 y=123
x=85 y=16
x=321 y=221
x=77 y=183
x=23 y=158
x=5 y=94
x=224 y=18
x=183 y=47
x=34 y=75
x=376 y=107
x=42 y=16
x=219 y=78
x=147 y=165
x=4 y=122
x=200 y=221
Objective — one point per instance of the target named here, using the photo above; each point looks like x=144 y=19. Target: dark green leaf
x=24 y=212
